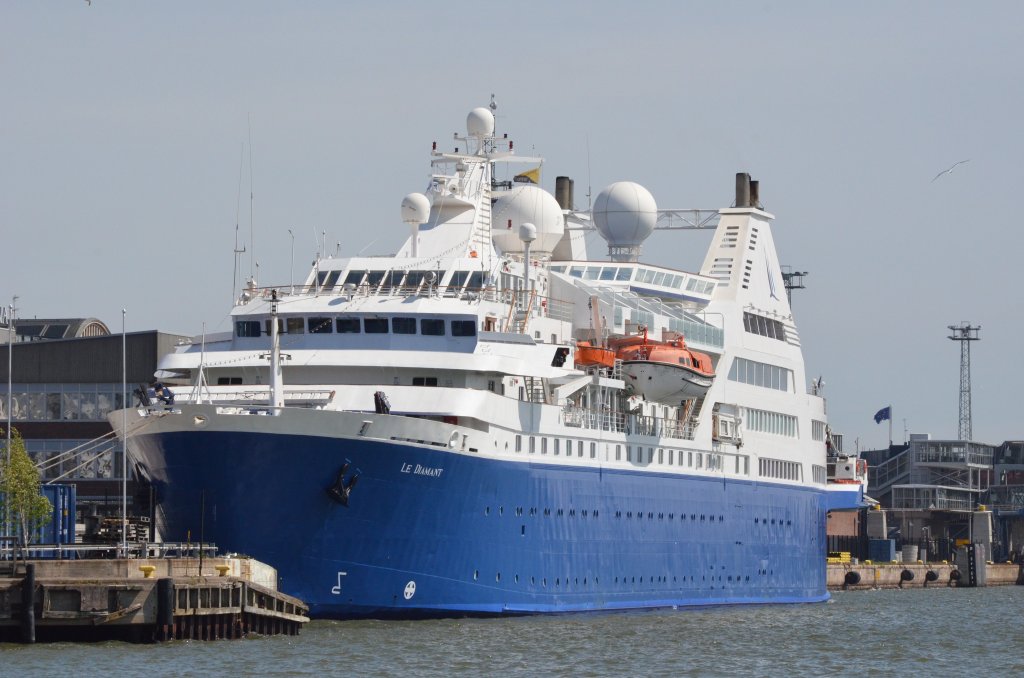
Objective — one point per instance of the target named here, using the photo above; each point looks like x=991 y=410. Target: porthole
x=497 y=577
x=476 y=574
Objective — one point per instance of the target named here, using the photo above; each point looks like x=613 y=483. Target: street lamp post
x=12 y=312
x=124 y=436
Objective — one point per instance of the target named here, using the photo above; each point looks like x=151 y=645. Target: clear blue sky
x=123 y=125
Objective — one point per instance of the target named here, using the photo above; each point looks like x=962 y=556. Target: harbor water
x=893 y=632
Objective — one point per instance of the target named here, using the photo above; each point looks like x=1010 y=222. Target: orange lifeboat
x=663 y=371
x=588 y=355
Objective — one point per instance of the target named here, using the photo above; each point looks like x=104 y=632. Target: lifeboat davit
x=588 y=355
x=663 y=371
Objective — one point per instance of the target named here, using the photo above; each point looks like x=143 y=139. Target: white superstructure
x=459 y=328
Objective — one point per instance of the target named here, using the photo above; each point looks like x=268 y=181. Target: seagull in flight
x=948 y=171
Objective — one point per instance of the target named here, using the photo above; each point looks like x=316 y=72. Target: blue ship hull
x=428 y=532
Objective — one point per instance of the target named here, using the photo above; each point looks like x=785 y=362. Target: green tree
x=19 y=486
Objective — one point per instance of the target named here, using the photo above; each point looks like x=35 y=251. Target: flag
x=528 y=177
x=883 y=414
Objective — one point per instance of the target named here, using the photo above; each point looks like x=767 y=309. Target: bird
x=948 y=171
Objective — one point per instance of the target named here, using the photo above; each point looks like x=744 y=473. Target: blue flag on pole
x=883 y=414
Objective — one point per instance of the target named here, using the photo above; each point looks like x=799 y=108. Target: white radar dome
x=624 y=214
x=415 y=208
x=526 y=204
x=480 y=123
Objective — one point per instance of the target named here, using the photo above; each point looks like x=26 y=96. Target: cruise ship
x=495 y=420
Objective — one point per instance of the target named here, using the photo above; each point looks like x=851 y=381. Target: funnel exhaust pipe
x=742 y=189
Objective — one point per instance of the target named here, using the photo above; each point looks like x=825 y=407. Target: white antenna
x=589 y=205
x=252 y=238
x=238 y=210
x=291 y=274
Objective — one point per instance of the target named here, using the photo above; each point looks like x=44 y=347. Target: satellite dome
x=624 y=214
x=527 y=232
x=480 y=123
x=415 y=208
x=526 y=204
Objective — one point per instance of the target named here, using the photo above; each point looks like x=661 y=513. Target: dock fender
x=930 y=575
x=906 y=576
x=954 y=577
x=852 y=578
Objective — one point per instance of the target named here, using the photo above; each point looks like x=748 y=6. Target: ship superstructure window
x=432 y=327
x=354 y=277
x=476 y=281
x=373 y=278
x=424 y=381
x=331 y=280
x=247 y=328
x=770 y=422
x=766 y=327
x=458 y=279
x=295 y=325
x=700 y=286
x=463 y=328
x=624 y=273
x=818 y=430
x=415 y=278
x=349 y=326
x=375 y=325
x=760 y=374
x=403 y=325
x=320 y=325
x=778 y=468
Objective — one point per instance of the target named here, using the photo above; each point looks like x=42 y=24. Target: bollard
x=164 y=607
x=28 y=605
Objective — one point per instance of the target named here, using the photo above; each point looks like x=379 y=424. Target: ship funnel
x=742 y=189
x=563 y=192
x=755 y=194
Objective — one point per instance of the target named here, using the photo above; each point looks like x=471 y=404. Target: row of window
x=637 y=454
x=777 y=468
x=435 y=327
x=766 y=327
x=62 y=402
x=91 y=464
x=329 y=280
x=760 y=374
x=643 y=275
x=771 y=422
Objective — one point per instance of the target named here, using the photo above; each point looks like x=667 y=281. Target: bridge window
x=348 y=326
x=247 y=328
x=319 y=325
x=354 y=277
x=432 y=327
x=375 y=325
x=295 y=325
x=463 y=328
x=403 y=325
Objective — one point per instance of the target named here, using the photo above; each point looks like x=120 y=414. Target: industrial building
x=66 y=377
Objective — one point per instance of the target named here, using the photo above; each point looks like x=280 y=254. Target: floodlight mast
x=965 y=333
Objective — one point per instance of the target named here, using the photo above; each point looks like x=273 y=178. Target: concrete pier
x=849 y=576
x=144 y=600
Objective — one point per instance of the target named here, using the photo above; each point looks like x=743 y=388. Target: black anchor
x=341 y=490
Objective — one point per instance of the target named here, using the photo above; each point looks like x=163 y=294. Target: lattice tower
x=965 y=333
